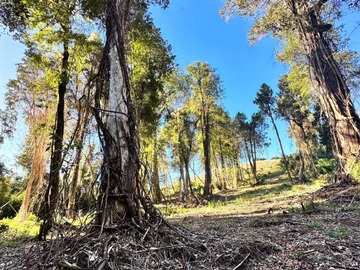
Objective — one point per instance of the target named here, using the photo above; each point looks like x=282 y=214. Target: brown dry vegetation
x=271 y=226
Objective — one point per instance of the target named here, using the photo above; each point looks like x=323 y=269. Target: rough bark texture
x=207 y=157
x=333 y=93
x=119 y=188
x=306 y=159
x=36 y=178
x=52 y=192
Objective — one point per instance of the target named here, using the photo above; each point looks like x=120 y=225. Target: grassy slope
x=276 y=193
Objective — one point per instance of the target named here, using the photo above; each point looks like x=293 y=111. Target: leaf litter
x=325 y=239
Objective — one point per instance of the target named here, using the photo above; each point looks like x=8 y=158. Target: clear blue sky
x=197 y=33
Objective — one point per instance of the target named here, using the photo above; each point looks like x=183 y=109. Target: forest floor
x=325 y=235
x=275 y=225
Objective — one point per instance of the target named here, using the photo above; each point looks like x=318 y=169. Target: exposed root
x=157 y=245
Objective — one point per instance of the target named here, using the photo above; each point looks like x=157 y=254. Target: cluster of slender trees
x=109 y=117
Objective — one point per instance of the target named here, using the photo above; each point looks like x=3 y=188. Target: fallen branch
x=238 y=266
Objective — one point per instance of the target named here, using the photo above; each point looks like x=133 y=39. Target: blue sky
x=196 y=32
x=11 y=53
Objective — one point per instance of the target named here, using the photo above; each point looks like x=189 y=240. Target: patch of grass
x=323 y=257
x=217 y=203
x=315 y=225
x=173 y=210
x=13 y=230
x=80 y=220
x=340 y=233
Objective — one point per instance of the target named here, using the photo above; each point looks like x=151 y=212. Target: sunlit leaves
x=243 y=7
x=275 y=19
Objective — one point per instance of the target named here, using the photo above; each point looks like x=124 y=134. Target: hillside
x=275 y=225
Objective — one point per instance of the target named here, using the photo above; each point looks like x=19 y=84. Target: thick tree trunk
x=301 y=174
x=37 y=175
x=52 y=192
x=333 y=93
x=118 y=200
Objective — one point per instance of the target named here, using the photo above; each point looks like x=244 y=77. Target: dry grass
x=276 y=193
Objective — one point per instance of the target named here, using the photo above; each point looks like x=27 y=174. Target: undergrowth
x=12 y=230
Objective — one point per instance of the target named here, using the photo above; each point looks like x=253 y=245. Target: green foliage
x=265 y=99
x=13 y=230
x=355 y=172
x=217 y=203
x=315 y=225
x=253 y=137
x=326 y=165
x=10 y=197
x=339 y=233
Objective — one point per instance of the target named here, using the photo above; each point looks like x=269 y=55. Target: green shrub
x=326 y=165
x=10 y=198
x=293 y=162
x=13 y=230
x=355 y=173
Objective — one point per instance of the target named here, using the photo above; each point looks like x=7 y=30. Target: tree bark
x=155 y=179
x=181 y=183
x=37 y=175
x=207 y=157
x=187 y=182
x=281 y=146
x=306 y=158
x=119 y=190
x=52 y=192
x=252 y=159
x=78 y=148
x=333 y=93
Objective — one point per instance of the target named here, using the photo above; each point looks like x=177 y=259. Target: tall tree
x=294 y=107
x=266 y=101
x=253 y=136
x=150 y=61
x=206 y=88
x=223 y=147
x=48 y=29
x=308 y=20
x=32 y=94
x=121 y=194
x=180 y=130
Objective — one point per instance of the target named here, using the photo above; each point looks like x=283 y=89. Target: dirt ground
x=326 y=237
x=285 y=241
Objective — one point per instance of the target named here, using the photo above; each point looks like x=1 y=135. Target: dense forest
x=116 y=130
